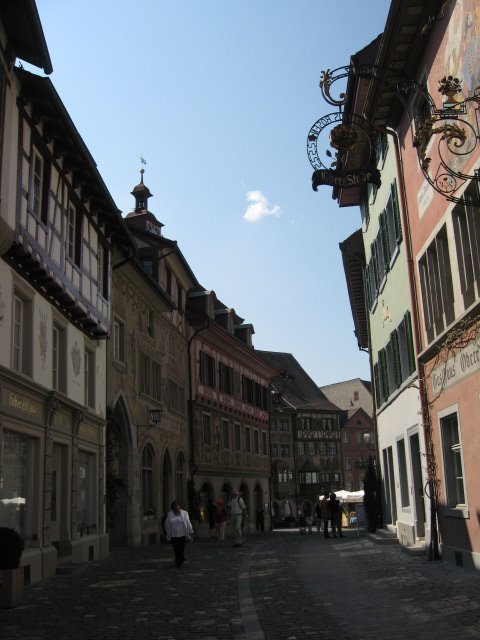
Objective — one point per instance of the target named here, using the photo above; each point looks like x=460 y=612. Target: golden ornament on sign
x=343 y=137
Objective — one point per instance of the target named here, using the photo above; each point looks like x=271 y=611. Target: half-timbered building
x=58 y=224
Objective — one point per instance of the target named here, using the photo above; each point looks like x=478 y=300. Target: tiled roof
x=300 y=391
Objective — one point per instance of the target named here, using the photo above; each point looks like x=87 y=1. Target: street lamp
x=155 y=417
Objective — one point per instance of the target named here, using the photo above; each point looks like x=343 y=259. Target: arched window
x=148 y=459
x=180 y=479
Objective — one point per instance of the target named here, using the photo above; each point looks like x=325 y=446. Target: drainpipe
x=433 y=551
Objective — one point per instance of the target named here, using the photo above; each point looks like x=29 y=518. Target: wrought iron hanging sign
x=346 y=157
x=346 y=136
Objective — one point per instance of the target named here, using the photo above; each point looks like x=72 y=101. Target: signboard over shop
x=459 y=366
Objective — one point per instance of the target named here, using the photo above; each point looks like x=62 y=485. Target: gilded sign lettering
x=25 y=405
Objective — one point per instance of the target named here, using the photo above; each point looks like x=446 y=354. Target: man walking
x=237 y=509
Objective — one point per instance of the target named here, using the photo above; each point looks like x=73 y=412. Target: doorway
x=417 y=486
x=117 y=478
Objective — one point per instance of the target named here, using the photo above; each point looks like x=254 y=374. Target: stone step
x=415 y=550
x=384 y=536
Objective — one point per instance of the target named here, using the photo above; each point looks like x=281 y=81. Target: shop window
x=86 y=494
x=19 y=465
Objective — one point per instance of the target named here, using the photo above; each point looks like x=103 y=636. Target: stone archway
x=118 y=476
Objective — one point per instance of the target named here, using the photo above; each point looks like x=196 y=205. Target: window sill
x=457 y=512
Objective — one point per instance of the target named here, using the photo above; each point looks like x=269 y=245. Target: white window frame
x=22 y=331
x=453 y=465
x=59 y=357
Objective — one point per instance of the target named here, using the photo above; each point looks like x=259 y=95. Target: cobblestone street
x=281 y=585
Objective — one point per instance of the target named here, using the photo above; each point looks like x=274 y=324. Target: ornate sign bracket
x=454 y=127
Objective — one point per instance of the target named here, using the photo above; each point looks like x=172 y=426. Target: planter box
x=12 y=587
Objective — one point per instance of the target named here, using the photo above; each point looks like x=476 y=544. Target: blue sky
x=218 y=97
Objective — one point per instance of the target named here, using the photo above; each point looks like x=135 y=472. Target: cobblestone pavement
x=279 y=586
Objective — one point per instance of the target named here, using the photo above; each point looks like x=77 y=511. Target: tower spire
x=141 y=192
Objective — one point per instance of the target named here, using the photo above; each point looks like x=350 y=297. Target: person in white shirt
x=178 y=529
x=237 y=510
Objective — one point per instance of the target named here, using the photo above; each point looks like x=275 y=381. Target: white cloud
x=259 y=207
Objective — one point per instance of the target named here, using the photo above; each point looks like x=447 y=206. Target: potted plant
x=11 y=549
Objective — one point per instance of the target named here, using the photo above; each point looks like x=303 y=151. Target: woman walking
x=178 y=529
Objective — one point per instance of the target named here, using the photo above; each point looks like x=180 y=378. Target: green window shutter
x=374 y=263
x=411 y=350
x=396 y=209
x=384 y=237
x=368 y=291
x=382 y=358
x=397 y=367
x=377 y=385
